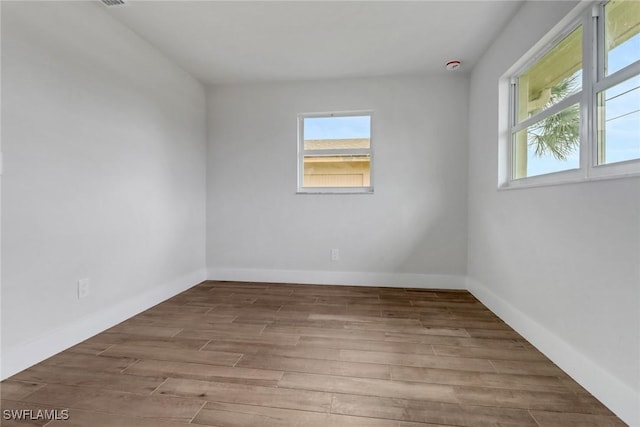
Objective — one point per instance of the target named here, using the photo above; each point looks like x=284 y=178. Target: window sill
x=534 y=182
x=344 y=190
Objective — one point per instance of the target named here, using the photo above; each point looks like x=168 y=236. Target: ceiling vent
x=110 y=3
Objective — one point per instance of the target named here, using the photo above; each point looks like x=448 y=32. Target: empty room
x=320 y=213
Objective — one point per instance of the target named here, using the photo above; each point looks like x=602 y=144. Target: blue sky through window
x=623 y=106
x=341 y=127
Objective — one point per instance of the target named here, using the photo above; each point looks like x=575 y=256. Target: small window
x=335 y=153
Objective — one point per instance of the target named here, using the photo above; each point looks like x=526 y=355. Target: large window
x=575 y=105
x=335 y=153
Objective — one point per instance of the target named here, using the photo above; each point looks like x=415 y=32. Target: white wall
x=105 y=153
x=411 y=231
x=104 y=176
x=561 y=264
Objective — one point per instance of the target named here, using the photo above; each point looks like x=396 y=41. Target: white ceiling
x=247 y=41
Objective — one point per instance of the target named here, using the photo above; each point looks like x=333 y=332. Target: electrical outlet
x=83 y=288
x=335 y=255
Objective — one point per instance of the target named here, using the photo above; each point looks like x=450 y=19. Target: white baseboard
x=24 y=355
x=351 y=278
x=617 y=396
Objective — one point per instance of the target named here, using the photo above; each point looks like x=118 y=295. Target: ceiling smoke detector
x=110 y=3
x=453 y=65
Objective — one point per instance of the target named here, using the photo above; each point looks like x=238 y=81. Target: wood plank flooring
x=253 y=354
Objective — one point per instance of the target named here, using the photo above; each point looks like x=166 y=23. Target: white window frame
x=336 y=152
x=593 y=82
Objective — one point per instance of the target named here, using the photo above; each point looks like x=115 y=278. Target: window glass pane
x=552 y=78
x=619 y=122
x=622 y=34
x=550 y=145
x=337 y=171
x=343 y=132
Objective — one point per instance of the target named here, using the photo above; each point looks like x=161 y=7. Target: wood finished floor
x=251 y=354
